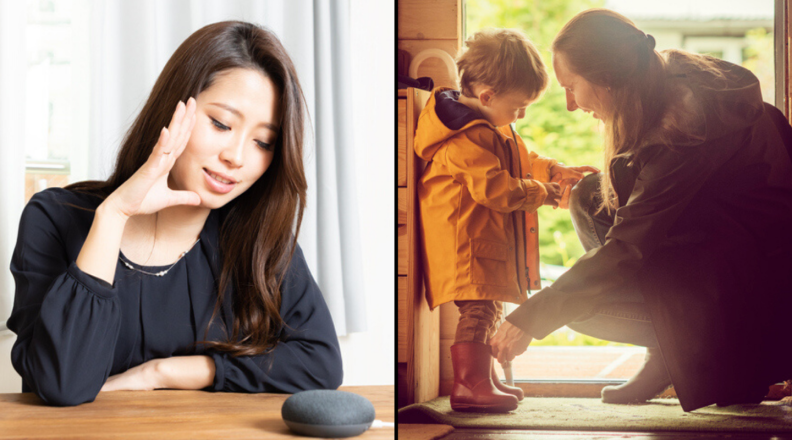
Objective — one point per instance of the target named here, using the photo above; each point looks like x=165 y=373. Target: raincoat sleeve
x=66 y=321
x=308 y=359
x=488 y=182
x=667 y=182
x=540 y=166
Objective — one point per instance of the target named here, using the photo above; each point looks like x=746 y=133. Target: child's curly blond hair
x=504 y=60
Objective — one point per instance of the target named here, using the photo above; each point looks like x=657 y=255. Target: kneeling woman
x=182 y=270
x=688 y=233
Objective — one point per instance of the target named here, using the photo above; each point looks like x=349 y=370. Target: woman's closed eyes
x=223 y=127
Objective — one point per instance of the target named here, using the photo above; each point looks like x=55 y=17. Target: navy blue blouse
x=75 y=330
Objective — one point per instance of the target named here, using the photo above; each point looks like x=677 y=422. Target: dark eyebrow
x=237 y=113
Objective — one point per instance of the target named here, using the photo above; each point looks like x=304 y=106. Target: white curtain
x=13 y=69
x=133 y=41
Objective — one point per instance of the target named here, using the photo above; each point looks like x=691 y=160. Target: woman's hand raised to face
x=147 y=190
x=509 y=342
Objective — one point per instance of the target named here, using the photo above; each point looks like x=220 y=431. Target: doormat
x=556 y=413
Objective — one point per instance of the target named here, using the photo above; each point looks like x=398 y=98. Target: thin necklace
x=162 y=272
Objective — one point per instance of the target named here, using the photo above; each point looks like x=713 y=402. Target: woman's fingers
x=179 y=127
x=175 y=124
x=184 y=198
x=503 y=355
x=188 y=133
x=185 y=125
x=174 y=137
x=586 y=168
x=496 y=344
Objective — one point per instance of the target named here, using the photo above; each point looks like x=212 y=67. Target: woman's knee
x=583 y=195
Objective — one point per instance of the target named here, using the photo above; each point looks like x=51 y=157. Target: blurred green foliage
x=573 y=138
x=759 y=58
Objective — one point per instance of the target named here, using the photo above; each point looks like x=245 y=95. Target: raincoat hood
x=446 y=117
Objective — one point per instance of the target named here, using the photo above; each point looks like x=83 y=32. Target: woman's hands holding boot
x=509 y=342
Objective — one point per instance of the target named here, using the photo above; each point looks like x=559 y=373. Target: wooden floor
x=489 y=434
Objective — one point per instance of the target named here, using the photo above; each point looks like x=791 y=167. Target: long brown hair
x=609 y=51
x=256 y=239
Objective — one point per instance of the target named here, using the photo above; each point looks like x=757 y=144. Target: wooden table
x=169 y=415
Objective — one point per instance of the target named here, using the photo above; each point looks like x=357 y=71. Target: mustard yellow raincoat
x=478 y=196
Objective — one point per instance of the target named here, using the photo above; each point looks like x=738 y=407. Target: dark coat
x=706 y=237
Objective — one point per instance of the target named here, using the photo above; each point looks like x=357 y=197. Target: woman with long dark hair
x=182 y=269
x=687 y=233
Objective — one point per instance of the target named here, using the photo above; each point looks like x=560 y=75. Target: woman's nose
x=233 y=154
x=571 y=104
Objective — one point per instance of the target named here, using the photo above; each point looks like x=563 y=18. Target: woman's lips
x=216 y=185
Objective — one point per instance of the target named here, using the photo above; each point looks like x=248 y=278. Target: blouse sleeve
x=309 y=357
x=66 y=321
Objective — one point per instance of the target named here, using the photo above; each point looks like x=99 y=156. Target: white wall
x=369 y=357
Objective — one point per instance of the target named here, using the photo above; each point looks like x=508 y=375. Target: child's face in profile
x=505 y=108
x=233 y=140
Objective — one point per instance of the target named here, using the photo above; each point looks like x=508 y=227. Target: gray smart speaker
x=327 y=413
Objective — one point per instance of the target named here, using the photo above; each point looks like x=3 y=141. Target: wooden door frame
x=782 y=55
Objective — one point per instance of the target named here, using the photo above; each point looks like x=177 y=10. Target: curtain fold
x=133 y=41
x=13 y=70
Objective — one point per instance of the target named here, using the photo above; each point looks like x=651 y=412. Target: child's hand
x=568 y=177
x=553 y=193
x=566 y=190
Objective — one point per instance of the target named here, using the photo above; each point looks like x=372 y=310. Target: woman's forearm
x=186 y=372
x=99 y=253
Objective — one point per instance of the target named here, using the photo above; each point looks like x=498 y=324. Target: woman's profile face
x=232 y=142
x=580 y=93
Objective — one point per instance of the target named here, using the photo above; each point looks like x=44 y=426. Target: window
x=57 y=90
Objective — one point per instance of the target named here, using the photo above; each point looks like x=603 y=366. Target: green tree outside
x=573 y=138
